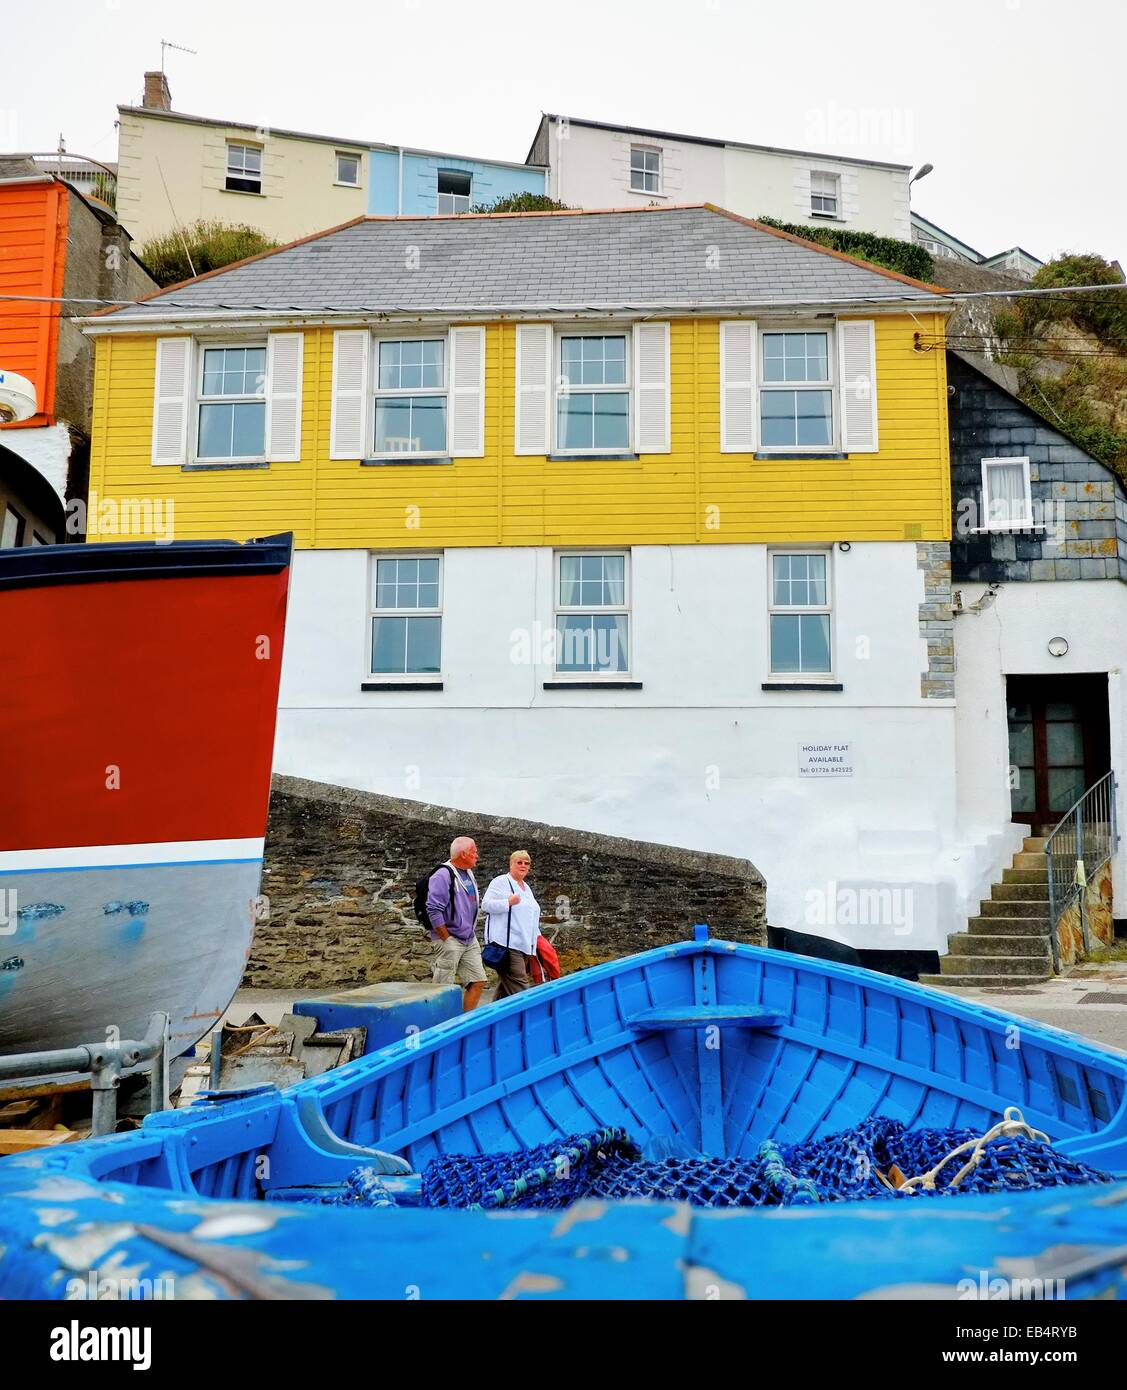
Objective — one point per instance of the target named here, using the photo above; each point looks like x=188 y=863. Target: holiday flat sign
x=825 y=760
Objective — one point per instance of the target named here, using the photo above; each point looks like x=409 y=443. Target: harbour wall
x=341 y=865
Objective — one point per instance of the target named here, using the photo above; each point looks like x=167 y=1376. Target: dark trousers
x=512 y=974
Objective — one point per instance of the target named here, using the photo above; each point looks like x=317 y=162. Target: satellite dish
x=17 y=398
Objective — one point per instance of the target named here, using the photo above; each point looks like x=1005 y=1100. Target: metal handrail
x=106 y=1062
x=1078 y=846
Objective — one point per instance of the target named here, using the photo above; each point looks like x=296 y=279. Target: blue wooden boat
x=701 y=1047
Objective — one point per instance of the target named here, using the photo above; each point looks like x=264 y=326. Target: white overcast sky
x=1017 y=103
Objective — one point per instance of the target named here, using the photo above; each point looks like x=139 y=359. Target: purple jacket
x=466 y=902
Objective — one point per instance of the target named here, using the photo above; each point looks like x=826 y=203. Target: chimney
x=157 y=95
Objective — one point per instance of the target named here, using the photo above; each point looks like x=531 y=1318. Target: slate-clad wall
x=987 y=422
x=341 y=867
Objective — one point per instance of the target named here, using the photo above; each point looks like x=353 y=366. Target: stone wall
x=937 y=621
x=1101 y=920
x=341 y=867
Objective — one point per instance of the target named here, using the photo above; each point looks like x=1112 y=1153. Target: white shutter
x=651 y=388
x=534 y=389
x=284 y=354
x=739 y=409
x=172 y=400
x=467 y=392
x=856 y=345
x=350 y=386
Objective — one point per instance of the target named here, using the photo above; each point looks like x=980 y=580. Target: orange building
x=59 y=251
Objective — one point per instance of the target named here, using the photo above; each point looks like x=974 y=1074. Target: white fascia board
x=219 y=321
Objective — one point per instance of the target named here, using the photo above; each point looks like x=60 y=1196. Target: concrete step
x=1036 y=908
x=1009 y=944
x=1015 y=892
x=1031 y=860
x=983 y=981
x=996 y=965
x=1034 y=844
x=1008 y=926
x=1026 y=876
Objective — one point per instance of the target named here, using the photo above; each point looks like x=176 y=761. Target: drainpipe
x=399 y=213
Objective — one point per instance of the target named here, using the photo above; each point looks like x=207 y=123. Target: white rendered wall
x=701 y=757
x=590 y=168
x=1011 y=637
x=757 y=183
x=47 y=448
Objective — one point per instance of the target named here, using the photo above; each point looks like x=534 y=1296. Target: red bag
x=545 y=964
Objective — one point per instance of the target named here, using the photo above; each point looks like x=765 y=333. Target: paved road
x=1088 y=999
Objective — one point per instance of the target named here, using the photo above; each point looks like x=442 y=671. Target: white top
x=526 y=915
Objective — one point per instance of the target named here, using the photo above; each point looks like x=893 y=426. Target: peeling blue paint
x=132 y=930
x=183 y=1195
x=38 y=912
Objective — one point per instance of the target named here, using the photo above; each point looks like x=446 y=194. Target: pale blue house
x=422 y=183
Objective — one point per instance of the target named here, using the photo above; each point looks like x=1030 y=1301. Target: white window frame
x=1006 y=526
x=580 y=609
x=645 y=173
x=455 y=198
x=560 y=389
x=835 y=195
x=375 y=392
x=794 y=609
x=229 y=172
x=831 y=385
x=200 y=347
x=413 y=677
x=356 y=159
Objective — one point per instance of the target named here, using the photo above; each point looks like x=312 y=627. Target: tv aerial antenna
x=179 y=47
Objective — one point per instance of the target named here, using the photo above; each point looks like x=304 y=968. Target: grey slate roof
x=666 y=258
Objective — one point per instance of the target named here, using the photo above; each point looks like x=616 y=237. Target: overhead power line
x=953 y=297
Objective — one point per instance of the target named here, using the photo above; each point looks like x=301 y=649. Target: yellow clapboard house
x=632 y=521
x=879 y=469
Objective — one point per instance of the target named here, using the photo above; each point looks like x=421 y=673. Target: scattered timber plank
x=18 y=1141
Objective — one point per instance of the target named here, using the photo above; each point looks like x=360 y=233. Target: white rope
x=1011 y=1126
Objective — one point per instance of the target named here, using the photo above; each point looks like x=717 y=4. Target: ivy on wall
x=903 y=256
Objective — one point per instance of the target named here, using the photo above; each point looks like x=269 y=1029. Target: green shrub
x=1064 y=386
x=1103 y=315
x=522 y=202
x=903 y=256
x=211 y=246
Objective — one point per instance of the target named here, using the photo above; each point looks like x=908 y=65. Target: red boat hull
x=138 y=710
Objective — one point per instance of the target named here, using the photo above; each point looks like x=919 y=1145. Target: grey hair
x=459 y=844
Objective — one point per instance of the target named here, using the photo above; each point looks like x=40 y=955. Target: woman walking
x=512 y=921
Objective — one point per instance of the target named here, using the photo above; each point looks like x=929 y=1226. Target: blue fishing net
x=862 y=1163
x=843 y=1167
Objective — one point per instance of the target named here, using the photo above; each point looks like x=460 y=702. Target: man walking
x=452 y=906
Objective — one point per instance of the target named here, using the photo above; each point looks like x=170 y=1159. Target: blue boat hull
x=704 y=1046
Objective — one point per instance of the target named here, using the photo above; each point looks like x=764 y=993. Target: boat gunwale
x=364 y=1070
x=47 y=566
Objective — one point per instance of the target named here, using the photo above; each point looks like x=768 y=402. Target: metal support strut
x=105 y=1062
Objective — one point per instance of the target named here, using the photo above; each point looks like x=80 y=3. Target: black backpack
x=422 y=888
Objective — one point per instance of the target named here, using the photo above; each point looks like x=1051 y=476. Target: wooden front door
x=1059 y=745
